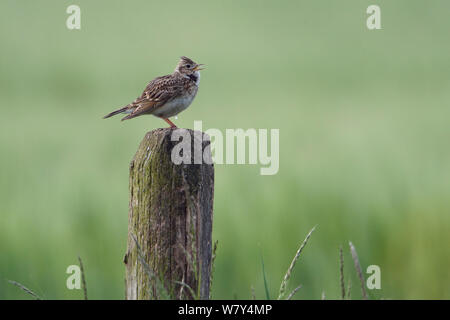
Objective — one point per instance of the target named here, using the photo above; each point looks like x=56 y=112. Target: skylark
x=166 y=96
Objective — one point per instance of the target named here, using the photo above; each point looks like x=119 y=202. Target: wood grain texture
x=170 y=219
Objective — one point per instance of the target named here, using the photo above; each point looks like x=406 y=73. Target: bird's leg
x=172 y=125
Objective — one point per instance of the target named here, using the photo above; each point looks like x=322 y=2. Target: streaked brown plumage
x=168 y=95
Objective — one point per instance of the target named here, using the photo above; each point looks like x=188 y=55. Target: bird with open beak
x=166 y=96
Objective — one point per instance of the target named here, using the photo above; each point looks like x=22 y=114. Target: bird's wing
x=159 y=91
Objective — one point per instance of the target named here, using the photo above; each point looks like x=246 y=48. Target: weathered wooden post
x=170 y=220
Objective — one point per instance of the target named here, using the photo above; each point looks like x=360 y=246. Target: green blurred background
x=364 y=139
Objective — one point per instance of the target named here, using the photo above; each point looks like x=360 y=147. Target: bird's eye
x=188 y=66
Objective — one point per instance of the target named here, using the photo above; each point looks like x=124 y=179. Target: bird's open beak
x=199 y=67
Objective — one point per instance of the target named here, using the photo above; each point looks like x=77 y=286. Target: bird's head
x=188 y=67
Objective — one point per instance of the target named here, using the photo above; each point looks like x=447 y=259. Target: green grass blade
x=21 y=286
x=287 y=276
x=266 y=287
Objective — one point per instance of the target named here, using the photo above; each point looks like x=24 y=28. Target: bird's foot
x=172 y=125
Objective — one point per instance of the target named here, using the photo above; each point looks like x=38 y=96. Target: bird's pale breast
x=175 y=106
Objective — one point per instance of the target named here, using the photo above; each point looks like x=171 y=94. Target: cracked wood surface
x=169 y=221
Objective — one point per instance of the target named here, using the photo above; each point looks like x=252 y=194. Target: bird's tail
x=121 y=110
